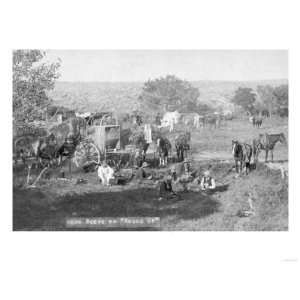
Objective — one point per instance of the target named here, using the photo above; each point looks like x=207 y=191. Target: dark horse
x=67 y=149
x=49 y=153
x=163 y=149
x=61 y=142
x=265 y=113
x=45 y=150
x=267 y=142
x=182 y=145
x=242 y=154
x=256 y=122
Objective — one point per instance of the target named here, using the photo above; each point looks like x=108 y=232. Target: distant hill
x=123 y=96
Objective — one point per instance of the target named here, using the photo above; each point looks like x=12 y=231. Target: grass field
x=47 y=206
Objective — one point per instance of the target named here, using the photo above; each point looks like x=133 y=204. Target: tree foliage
x=281 y=94
x=267 y=98
x=32 y=78
x=245 y=98
x=171 y=93
x=273 y=99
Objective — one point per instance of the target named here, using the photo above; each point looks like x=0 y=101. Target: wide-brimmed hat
x=206 y=173
x=145 y=165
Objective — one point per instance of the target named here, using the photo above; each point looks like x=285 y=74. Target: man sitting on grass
x=165 y=188
x=142 y=173
x=105 y=173
x=207 y=182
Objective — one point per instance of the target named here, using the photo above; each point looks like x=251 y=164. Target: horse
x=170 y=119
x=163 y=149
x=182 y=145
x=199 y=120
x=45 y=148
x=67 y=149
x=190 y=119
x=265 y=113
x=202 y=120
x=267 y=142
x=242 y=154
x=256 y=122
x=213 y=121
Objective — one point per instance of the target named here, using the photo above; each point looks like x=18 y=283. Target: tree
x=32 y=78
x=268 y=99
x=281 y=94
x=171 y=93
x=245 y=98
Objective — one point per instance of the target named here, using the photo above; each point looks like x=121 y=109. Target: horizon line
x=196 y=80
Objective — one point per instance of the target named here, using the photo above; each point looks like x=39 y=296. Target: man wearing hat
x=138 y=158
x=141 y=173
x=105 y=173
x=207 y=182
x=165 y=187
x=187 y=166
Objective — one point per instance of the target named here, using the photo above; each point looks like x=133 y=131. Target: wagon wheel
x=23 y=143
x=86 y=153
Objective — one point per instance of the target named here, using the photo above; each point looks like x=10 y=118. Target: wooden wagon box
x=106 y=137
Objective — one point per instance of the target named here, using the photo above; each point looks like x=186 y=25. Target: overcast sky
x=140 y=65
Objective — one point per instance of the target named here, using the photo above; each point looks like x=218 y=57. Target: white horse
x=170 y=119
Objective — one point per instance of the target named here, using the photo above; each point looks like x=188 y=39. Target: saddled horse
x=267 y=142
x=182 y=145
x=242 y=154
x=163 y=148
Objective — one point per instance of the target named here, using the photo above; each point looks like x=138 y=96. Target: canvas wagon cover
x=107 y=137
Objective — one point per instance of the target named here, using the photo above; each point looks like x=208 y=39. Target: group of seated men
x=180 y=177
